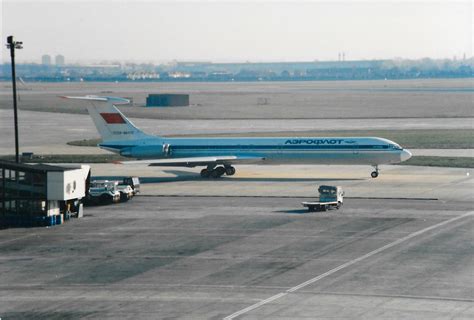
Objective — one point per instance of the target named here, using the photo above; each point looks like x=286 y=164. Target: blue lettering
x=314 y=141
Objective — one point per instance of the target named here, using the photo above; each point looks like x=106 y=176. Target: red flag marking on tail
x=112 y=118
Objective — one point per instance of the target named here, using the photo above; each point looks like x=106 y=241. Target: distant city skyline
x=59 y=60
x=262 y=31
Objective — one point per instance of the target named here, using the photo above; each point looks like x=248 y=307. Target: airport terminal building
x=39 y=195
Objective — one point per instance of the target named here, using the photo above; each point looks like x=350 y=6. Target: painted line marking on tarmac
x=15 y=239
x=345 y=265
x=266 y=196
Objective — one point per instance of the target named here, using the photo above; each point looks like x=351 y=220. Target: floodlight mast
x=12 y=45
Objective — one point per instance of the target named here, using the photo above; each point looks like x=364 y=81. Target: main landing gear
x=217 y=172
x=375 y=173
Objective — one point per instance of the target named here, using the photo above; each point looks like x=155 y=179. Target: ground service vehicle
x=126 y=191
x=103 y=192
x=330 y=197
x=133 y=182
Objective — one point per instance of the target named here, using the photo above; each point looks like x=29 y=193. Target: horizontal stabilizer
x=195 y=161
x=114 y=100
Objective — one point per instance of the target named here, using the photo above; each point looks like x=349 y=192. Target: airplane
x=219 y=155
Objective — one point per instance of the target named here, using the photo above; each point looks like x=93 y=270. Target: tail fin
x=109 y=121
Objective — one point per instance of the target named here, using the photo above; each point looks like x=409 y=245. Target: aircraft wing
x=195 y=161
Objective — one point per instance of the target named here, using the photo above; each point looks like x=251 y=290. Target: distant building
x=143 y=75
x=46 y=60
x=167 y=100
x=178 y=75
x=59 y=60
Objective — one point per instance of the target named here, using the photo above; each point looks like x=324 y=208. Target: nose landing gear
x=217 y=172
x=375 y=173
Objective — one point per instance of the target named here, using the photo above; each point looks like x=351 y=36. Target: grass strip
x=430 y=161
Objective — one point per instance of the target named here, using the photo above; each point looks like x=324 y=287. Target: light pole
x=12 y=45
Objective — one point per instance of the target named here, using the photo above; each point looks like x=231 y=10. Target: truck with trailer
x=112 y=191
x=330 y=197
x=103 y=192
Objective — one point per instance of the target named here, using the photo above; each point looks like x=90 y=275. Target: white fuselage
x=296 y=150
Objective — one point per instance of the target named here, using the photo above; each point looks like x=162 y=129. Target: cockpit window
x=395 y=146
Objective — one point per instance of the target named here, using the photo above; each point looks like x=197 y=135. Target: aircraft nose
x=405 y=155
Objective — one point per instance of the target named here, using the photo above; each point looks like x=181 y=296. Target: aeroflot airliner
x=218 y=155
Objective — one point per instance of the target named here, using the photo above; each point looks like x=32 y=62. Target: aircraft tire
x=218 y=172
x=230 y=171
x=374 y=174
x=205 y=173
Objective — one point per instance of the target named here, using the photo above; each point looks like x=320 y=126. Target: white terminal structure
x=41 y=195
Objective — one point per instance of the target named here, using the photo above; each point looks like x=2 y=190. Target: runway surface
x=243 y=247
x=245 y=258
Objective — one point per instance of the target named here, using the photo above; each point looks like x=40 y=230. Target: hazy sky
x=160 y=31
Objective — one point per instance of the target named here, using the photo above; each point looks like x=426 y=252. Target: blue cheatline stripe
x=117 y=146
x=278 y=147
x=261 y=147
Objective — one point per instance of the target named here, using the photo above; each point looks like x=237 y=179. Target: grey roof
x=40 y=167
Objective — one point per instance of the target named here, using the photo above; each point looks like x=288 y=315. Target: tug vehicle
x=330 y=197
x=103 y=192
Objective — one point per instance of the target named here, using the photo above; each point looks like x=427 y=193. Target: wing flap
x=194 y=161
